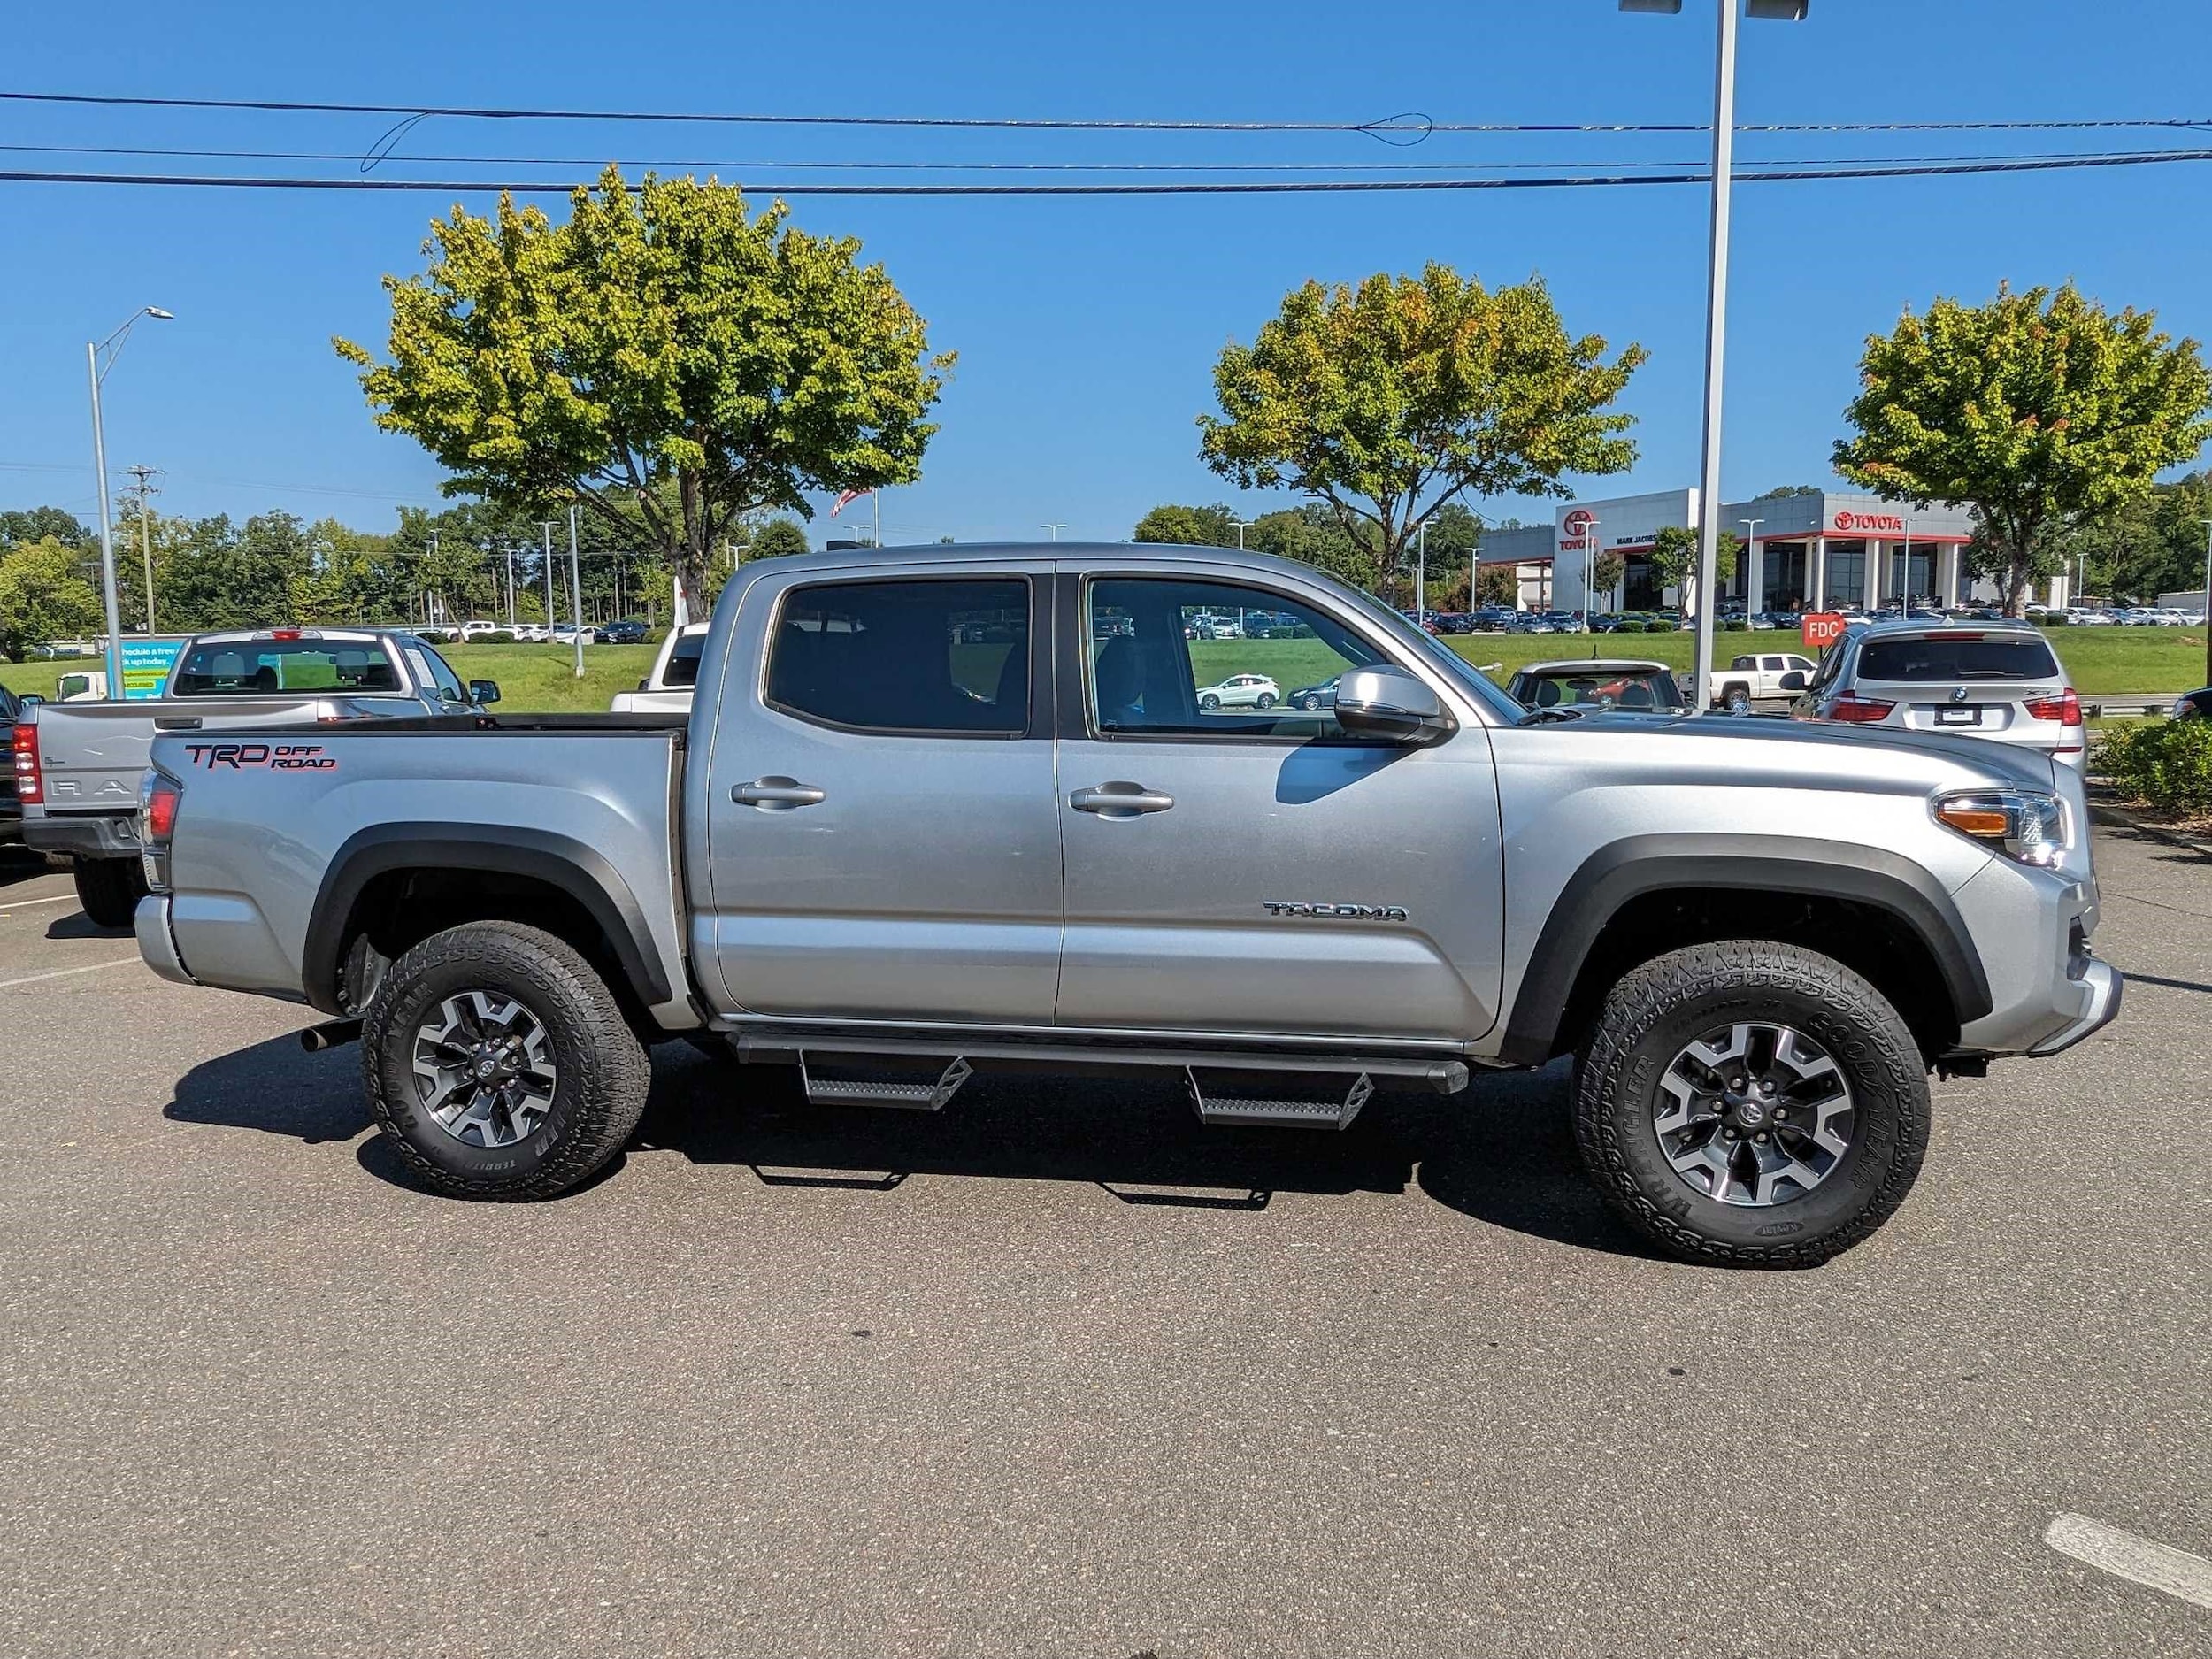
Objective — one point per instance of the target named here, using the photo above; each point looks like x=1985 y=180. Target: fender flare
x=580 y=871
x=1627 y=869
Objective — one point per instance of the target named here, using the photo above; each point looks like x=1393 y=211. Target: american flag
x=847 y=500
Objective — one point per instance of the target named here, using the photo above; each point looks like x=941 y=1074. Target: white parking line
x=63 y=973
x=2138 y=1560
x=25 y=904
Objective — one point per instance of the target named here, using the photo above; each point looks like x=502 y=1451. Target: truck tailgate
x=92 y=754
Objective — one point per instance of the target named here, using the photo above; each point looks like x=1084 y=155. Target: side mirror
x=1389 y=705
x=483 y=691
x=1794 y=680
x=645 y=685
x=30 y=699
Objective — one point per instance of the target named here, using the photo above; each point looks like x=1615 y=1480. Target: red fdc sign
x=1822 y=629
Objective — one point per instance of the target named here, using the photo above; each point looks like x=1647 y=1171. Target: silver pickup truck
x=946 y=808
x=79 y=764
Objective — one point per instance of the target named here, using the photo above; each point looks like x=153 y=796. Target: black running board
x=1328 y=1113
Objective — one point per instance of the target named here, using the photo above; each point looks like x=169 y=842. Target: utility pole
x=429 y=598
x=142 y=488
x=1420 y=574
x=510 y=586
x=2208 y=602
x=575 y=588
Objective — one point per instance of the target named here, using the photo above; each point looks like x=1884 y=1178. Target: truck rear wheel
x=499 y=1064
x=110 y=890
x=1751 y=1103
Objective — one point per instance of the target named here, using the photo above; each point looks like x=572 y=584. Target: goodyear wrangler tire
x=499 y=1064
x=1751 y=1103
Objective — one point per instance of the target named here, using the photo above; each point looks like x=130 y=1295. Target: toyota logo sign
x=1578 y=521
x=1871 y=521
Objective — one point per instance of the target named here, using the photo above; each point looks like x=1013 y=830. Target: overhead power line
x=1407 y=122
x=171 y=153
x=1274 y=186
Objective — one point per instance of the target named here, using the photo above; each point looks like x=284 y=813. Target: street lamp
x=1716 y=300
x=1054 y=528
x=97 y=371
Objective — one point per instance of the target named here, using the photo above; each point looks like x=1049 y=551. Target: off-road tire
x=601 y=1077
x=1666 y=1002
x=110 y=890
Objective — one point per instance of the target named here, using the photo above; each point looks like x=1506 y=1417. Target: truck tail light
x=1860 y=711
x=158 y=796
x=30 y=783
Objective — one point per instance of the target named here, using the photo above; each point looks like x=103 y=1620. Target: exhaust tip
x=331 y=1033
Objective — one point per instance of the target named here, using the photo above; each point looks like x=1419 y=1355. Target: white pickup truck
x=78 y=767
x=668 y=690
x=1759 y=677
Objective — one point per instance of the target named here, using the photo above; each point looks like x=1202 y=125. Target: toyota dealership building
x=1812 y=552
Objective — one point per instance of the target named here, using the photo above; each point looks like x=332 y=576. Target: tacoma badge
x=1361 y=912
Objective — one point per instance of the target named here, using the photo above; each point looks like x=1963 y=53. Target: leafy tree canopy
x=778 y=539
x=1389 y=401
x=664 y=356
x=43 y=597
x=37 y=524
x=1173 y=526
x=1674 y=560
x=2042 y=409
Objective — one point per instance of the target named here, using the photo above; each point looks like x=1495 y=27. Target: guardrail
x=2128 y=703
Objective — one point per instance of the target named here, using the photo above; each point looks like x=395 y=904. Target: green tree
x=1312 y=535
x=42 y=597
x=2044 y=411
x=778 y=538
x=1497 y=585
x=1173 y=526
x=664 y=355
x=223 y=576
x=1390 y=400
x=39 y=524
x=1606 y=571
x=2152 y=545
x=1674 y=560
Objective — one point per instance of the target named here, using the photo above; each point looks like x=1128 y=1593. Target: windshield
x=1649 y=689
x=1484 y=690
x=246 y=668
x=1947 y=658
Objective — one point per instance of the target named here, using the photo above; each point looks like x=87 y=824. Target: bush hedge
x=1632 y=626
x=2053 y=619
x=2165 y=762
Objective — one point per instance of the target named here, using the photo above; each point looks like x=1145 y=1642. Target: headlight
x=2024 y=824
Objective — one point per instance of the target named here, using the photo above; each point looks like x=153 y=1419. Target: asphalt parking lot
x=1064 y=1373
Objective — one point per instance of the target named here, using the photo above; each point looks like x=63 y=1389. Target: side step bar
x=1287 y=1114
x=880 y=1090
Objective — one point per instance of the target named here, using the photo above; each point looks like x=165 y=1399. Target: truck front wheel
x=499 y=1064
x=1751 y=1103
x=110 y=890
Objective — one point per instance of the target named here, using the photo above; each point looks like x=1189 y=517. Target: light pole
x=575 y=588
x=112 y=346
x=1420 y=574
x=2208 y=602
x=1240 y=525
x=551 y=616
x=1054 y=528
x=1717 y=302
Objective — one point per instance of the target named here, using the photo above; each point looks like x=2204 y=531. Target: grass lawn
x=540 y=677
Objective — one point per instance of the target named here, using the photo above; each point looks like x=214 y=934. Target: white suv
x=1996 y=680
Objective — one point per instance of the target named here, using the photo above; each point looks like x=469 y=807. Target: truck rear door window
x=683 y=662
x=246 y=668
x=922 y=657
x=1949 y=657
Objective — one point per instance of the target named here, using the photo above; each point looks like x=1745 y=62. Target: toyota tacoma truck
x=78 y=767
x=943 y=810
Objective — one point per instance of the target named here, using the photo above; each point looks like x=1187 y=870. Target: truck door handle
x=777 y=794
x=1120 y=800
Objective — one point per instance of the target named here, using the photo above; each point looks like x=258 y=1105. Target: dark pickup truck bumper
x=86 y=834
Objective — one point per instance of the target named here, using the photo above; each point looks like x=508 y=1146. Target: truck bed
x=591 y=792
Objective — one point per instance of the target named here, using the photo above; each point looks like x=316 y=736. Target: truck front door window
x=1187 y=657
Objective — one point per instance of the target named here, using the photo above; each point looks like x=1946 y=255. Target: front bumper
x=2105 y=987
x=156 y=944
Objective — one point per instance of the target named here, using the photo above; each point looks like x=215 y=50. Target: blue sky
x=1086 y=328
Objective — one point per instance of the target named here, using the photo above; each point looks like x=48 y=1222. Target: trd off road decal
x=274 y=756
